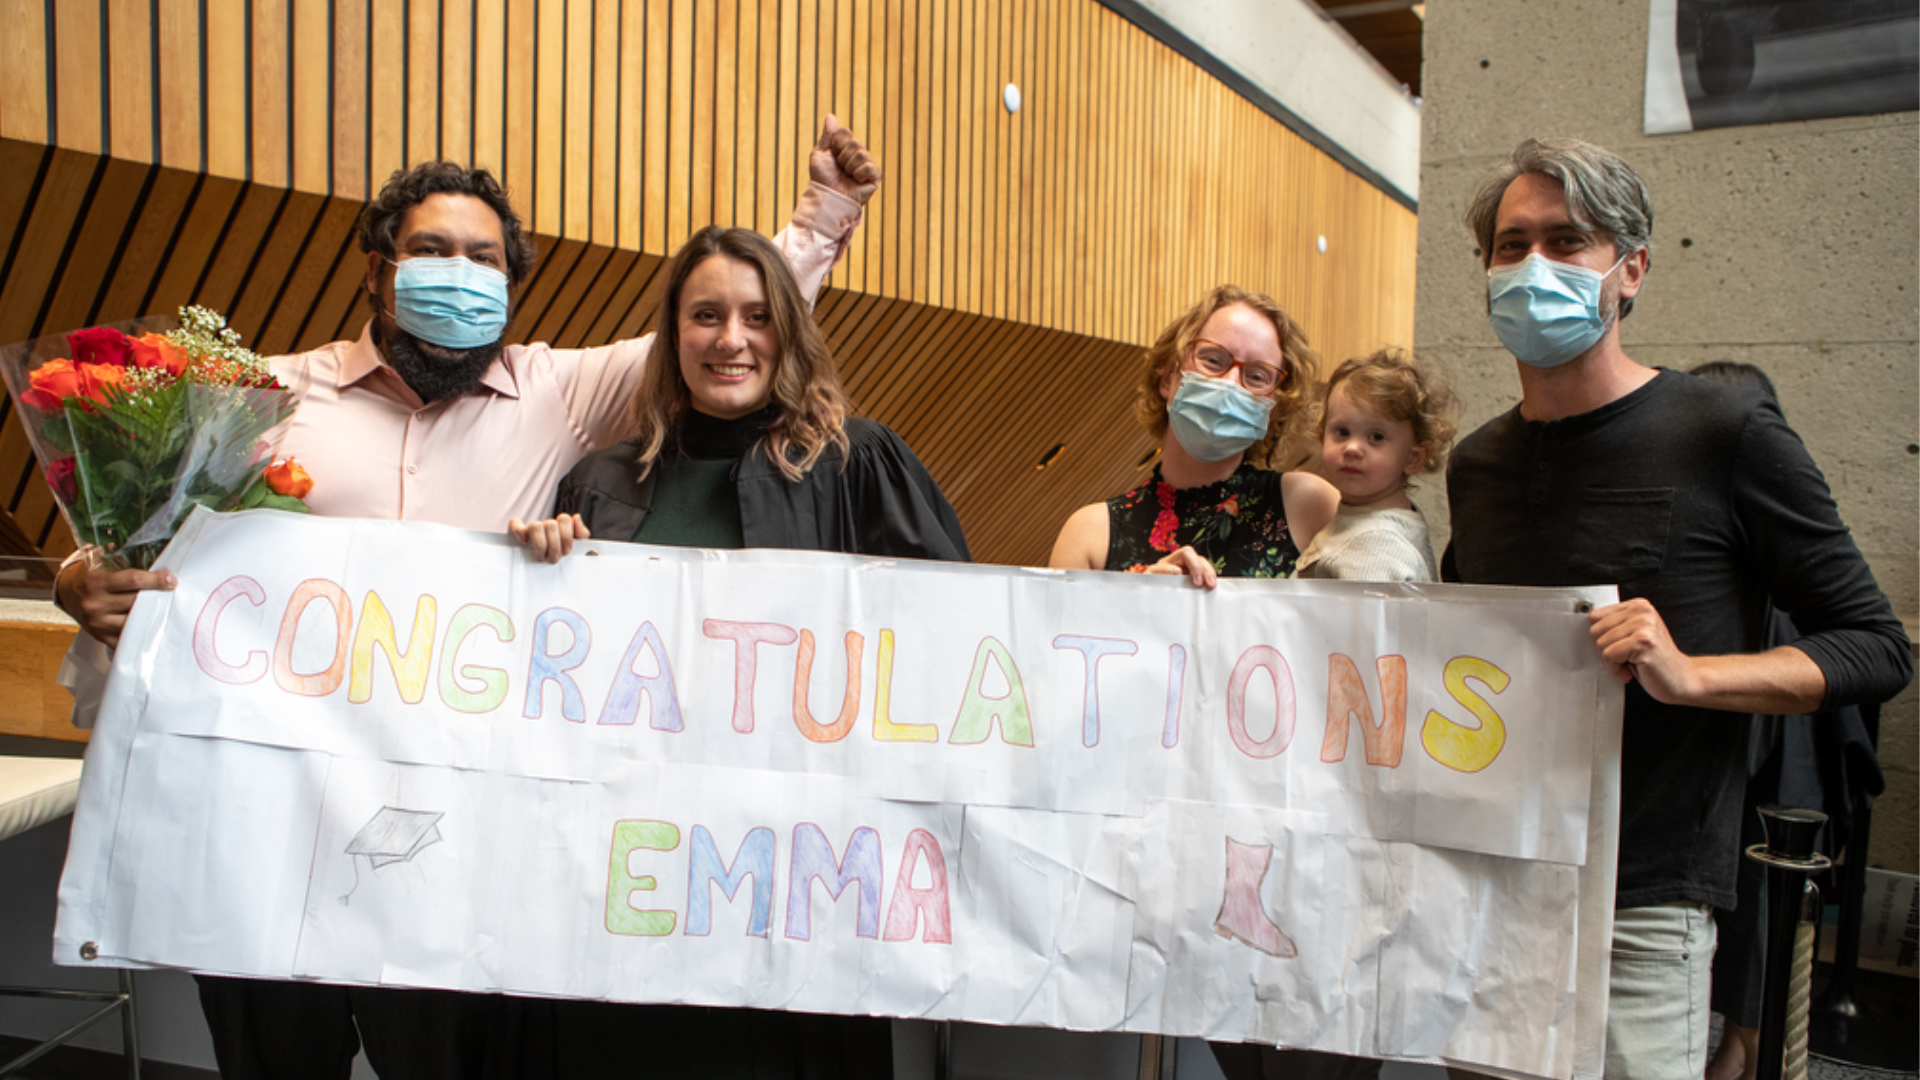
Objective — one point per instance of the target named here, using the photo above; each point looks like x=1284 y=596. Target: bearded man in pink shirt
x=431 y=416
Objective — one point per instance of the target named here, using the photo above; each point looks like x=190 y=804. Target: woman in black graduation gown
x=742 y=439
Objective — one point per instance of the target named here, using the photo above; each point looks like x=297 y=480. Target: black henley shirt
x=1699 y=498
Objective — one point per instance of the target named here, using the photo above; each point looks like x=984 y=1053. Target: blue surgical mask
x=453 y=302
x=1545 y=312
x=1215 y=419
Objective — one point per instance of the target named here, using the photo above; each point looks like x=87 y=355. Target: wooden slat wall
x=980 y=399
x=992 y=305
x=1128 y=183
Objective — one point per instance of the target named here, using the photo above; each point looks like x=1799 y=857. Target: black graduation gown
x=882 y=502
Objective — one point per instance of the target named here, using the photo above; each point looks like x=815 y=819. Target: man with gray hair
x=1704 y=508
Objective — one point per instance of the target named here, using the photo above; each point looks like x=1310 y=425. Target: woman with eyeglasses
x=1221 y=385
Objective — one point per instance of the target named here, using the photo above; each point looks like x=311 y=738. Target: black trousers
x=268 y=1030
x=606 y=1041
x=1245 y=1061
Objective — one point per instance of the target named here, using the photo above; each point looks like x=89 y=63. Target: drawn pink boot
x=1241 y=917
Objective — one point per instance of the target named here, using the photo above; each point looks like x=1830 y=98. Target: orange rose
x=97 y=378
x=59 y=380
x=157 y=351
x=41 y=400
x=287 y=478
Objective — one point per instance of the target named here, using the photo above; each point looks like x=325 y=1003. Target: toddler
x=1385 y=419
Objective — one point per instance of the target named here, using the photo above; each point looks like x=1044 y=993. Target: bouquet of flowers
x=134 y=428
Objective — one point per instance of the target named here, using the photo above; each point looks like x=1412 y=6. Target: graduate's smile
x=728 y=347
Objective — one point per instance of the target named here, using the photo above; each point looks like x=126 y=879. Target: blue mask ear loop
x=1614 y=319
x=384 y=310
x=1616 y=265
x=1611 y=319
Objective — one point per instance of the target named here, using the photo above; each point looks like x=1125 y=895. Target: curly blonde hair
x=1300 y=363
x=1401 y=388
x=811 y=407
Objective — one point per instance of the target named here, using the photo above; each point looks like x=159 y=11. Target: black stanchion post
x=1846 y=1026
x=1789 y=857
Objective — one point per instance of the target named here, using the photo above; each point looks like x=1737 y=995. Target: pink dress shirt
x=375 y=450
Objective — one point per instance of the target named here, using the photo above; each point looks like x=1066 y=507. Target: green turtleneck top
x=695 y=502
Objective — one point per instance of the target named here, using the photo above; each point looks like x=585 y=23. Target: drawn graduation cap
x=394 y=835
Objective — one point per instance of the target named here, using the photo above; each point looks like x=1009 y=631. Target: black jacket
x=883 y=502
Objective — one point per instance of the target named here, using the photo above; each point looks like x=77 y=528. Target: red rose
x=100 y=345
x=60 y=479
x=156 y=351
x=287 y=478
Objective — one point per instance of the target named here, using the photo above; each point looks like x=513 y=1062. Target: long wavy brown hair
x=1283 y=446
x=811 y=407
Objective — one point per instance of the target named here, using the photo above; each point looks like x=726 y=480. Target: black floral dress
x=1238 y=524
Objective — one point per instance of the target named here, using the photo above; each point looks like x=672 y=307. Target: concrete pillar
x=1789 y=246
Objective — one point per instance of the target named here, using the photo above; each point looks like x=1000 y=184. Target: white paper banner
x=1374 y=820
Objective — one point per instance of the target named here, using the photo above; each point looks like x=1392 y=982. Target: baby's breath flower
x=218 y=357
x=140 y=380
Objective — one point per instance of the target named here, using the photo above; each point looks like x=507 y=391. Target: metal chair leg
x=1159 y=1057
x=1149 y=1057
x=129 y=1027
x=121 y=1001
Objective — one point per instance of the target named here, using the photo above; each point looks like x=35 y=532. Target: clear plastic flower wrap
x=135 y=425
